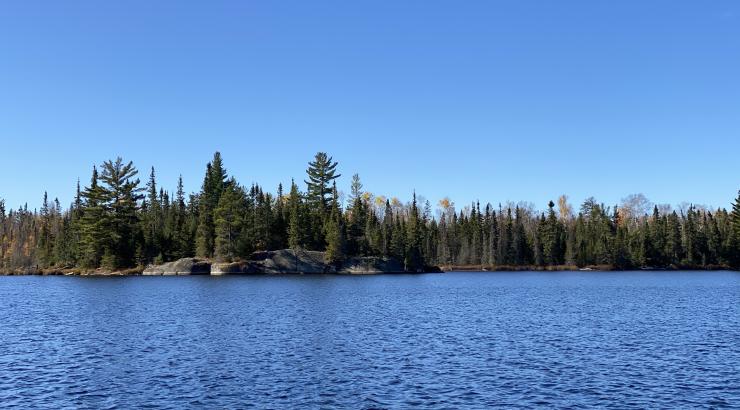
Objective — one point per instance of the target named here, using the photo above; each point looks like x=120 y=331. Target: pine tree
x=355 y=189
x=121 y=193
x=321 y=172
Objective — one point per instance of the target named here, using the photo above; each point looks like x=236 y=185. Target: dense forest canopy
x=117 y=222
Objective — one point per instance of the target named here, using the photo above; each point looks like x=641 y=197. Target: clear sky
x=489 y=100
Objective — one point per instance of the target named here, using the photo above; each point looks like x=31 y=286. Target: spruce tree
x=414 y=260
x=387 y=229
x=229 y=218
x=93 y=224
x=520 y=247
x=296 y=228
x=279 y=227
x=734 y=241
x=553 y=240
x=3 y=235
x=673 y=245
x=358 y=220
x=334 y=231
x=152 y=217
x=214 y=184
x=46 y=236
x=180 y=236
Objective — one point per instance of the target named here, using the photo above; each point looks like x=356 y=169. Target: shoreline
x=139 y=271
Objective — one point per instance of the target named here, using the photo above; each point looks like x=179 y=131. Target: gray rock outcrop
x=185 y=266
x=278 y=262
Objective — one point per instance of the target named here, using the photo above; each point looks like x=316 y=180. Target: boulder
x=370 y=265
x=184 y=266
x=234 y=268
x=290 y=261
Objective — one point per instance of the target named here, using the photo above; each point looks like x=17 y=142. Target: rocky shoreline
x=285 y=261
x=278 y=262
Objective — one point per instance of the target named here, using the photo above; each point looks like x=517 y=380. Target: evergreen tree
x=321 y=172
x=180 y=234
x=358 y=220
x=414 y=260
x=110 y=223
x=387 y=230
x=4 y=230
x=46 y=238
x=296 y=229
x=519 y=245
x=280 y=225
x=153 y=221
x=121 y=193
x=93 y=224
x=673 y=247
x=553 y=240
x=398 y=239
x=214 y=184
x=335 y=241
x=505 y=255
x=229 y=218
x=734 y=237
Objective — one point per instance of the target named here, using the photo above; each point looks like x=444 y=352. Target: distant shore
x=140 y=270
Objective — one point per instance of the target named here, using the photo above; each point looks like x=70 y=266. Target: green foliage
x=297 y=230
x=334 y=231
x=214 y=184
x=321 y=172
x=231 y=231
x=110 y=224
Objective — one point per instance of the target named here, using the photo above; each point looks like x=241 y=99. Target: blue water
x=574 y=339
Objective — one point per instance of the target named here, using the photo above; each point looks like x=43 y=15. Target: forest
x=117 y=222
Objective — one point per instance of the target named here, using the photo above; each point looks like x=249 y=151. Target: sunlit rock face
x=278 y=262
x=184 y=266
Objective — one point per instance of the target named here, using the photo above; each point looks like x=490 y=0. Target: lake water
x=525 y=339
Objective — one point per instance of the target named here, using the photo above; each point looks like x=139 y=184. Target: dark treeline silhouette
x=115 y=222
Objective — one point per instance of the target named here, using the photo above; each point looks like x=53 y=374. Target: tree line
x=117 y=222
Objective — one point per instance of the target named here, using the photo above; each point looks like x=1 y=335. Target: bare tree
x=564 y=208
x=635 y=206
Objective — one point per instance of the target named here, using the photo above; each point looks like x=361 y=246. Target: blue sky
x=489 y=100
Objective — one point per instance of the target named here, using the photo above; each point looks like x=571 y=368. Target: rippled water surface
x=578 y=339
